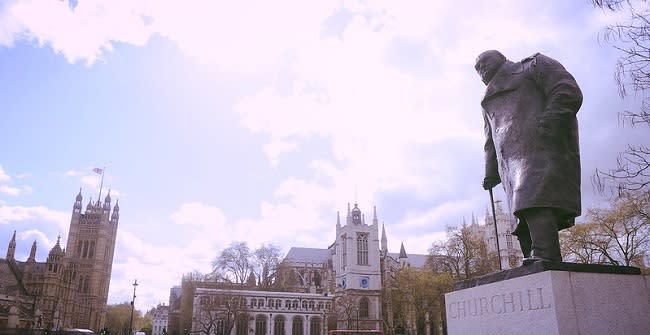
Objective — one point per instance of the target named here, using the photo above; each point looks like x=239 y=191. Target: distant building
x=69 y=289
x=510 y=250
x=319 y=289
x=338 y=287
x=174 y=311
x=159 y=319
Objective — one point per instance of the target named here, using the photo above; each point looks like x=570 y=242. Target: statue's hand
x=490 y=182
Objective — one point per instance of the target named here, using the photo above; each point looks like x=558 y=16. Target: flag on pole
x=98 y=170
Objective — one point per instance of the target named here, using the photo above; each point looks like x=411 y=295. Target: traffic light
x=46 y=331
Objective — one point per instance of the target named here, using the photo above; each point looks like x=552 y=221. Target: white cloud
x=79 y=34
x=73 y=173
x=13 y=191
x=91 y=180
x=274 y=149
x=196 y=213
x=3 y=175
x=12 y=214
x=35 y=234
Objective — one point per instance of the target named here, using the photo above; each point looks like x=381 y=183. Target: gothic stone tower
x=90 y=248
x=356 y=265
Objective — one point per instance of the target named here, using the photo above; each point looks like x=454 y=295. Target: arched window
x=315 y=326
x=242 y=325
x=363 y=308
x=91 y=252
x=260 y=325
x=220 y=328
x=509 y=239
x=303 y=304
x=85 y=254
x=278 y=325
x=362 y=249
x=297 y=326
x=294 y=304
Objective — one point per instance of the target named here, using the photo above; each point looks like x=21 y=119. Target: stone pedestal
x=552 y=298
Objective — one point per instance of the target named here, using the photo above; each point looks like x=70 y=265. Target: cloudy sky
x=221 y=121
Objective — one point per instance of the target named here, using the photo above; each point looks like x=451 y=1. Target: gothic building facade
x=70 y=288
x=342 y=286
x=338 y=287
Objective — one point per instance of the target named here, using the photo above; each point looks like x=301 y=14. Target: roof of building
x=37 y=268
x=309 y=255
x=9 y=283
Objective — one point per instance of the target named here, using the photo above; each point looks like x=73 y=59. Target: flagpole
x=101 y=184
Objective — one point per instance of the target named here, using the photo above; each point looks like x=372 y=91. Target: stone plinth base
x=552 y=298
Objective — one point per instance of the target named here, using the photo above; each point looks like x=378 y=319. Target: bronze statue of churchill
x=531 y=146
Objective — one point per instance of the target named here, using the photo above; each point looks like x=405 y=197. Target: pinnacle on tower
x=32 y=253
x=11 y=250
x=402 y=252
x=384 y=240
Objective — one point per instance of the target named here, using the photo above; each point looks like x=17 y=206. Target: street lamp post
x=135 y=284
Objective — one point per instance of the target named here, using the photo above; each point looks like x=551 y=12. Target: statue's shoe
x=533 y=259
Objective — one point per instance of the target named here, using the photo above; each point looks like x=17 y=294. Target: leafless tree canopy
x=464 y=254
x=217 y=314
x=268 y=260
x=632 y=75
x=239 y=264
x=417 y=299
x=618 y=235
x=235 y=262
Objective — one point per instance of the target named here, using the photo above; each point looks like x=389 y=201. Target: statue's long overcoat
x=531 y=132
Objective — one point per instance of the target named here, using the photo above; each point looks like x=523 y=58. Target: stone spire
x=402 y=252
x=338 y=220
x=32 y=253
x=384 y=240
x=11 y=250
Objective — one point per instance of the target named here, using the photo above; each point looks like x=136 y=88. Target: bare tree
x=464 y=254
x=218 y=313
x=618 y=235
x=346 y=309
x=118 y=317
x=234 y=262
x=624 y=230
x=417 y=298
x=578 y=244
x=268 y=261
x=632 y=73
x=189 y=283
